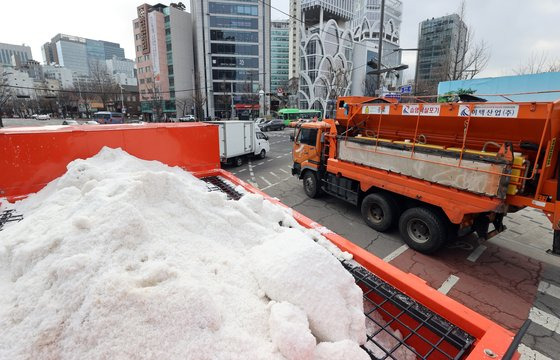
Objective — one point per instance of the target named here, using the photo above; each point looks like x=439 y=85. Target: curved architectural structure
x=336 y=45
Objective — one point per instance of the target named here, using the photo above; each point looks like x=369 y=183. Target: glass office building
x=279 y=55
x=232 y=46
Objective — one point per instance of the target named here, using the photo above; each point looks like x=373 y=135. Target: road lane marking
x=266 y=181
x=284 y=171
x=529 y=354
x=242 y=170
x=269 y=160
x=273 y=174
x=448 y=284
x=278 y=157
x=276 y=183
x=476 y=253
x=549 y=289
x=262 y=162
x=545 y=319
x=395 y=253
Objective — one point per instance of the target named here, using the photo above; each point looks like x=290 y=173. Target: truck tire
x=380 y=211
x=262 y=154
x=238 y=161
x=311 y=184
x=423 y=229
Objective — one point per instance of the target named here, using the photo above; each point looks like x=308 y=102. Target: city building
x=60 y=73
x=232 y=47
x=442 y=45
x=279 y=55
x=325 y=52
x=365 y=25
x=14 y=55
x=122 y=70
x=77 y=53
x=295 y=37
x=164 y=59
x=338 y=40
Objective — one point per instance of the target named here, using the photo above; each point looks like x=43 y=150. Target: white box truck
x=240 y=139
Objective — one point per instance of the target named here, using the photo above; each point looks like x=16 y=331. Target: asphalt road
x=508 y=279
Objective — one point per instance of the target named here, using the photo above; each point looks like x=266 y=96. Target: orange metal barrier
x=31 y=158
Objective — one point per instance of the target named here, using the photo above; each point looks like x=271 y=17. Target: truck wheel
x=262 y=154
x=238 y=161
x=380 y=211
x=423 y=229
x=310 y=184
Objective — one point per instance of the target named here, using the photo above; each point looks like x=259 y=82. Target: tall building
x=366 y=25
x=122 y=71
x=77 y=53
x=164 y=59
x=279 y=55
x=295 y=37
x=232 y=45
x=325 y=52
x=14 y=55
x=442 y=44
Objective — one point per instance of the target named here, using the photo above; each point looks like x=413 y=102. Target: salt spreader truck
x=435 y=170
x=432 y=325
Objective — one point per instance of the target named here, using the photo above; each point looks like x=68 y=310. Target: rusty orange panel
x=32 y=157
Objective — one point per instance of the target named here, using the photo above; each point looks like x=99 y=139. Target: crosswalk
x=542 y=340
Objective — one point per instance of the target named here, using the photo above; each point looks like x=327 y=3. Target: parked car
x=274 y=124
x=91 y=122
x=70 y=122
x=41 y=117
x=187 y=118
x=260 y=121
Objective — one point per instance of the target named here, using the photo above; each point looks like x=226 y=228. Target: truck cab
x=307 y=154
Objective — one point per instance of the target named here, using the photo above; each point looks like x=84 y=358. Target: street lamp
x=122 y=99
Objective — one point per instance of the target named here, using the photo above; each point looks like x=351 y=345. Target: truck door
x=305 y=147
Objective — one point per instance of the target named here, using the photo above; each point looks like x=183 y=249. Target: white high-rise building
x=122 y=71
x=325 y=52
x=366 y=24
x=338 y=39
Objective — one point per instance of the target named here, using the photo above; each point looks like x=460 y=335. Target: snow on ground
x=126 y=258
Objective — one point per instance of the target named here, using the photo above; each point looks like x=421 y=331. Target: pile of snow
x=126 y=258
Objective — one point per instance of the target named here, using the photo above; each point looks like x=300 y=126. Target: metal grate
x=215 y=183
x=8 y=216
x=424 y=333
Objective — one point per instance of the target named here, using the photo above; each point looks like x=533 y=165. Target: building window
x=232 y=35
x=234 y=23
x=233 y=9
x=237 y=49
x=170 y=69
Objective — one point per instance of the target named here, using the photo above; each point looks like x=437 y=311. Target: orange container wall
x=32 y=157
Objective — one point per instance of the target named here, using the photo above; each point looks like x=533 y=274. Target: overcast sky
x=513 y=29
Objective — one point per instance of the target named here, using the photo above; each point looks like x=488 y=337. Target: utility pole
x=380 y=52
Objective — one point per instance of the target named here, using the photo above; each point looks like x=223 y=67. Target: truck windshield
x=307 y=136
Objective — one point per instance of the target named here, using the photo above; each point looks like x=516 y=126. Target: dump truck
x=435 y=170
x=240 y=140
x=432 y=325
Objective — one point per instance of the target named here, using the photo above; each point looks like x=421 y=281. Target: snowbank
x=125 y=258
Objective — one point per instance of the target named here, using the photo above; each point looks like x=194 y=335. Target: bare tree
x=86 y=93
x=468 y=58
x=338 y=83
x=154 y=96
x=198 y=100
x=103 y=83
x=5 y=93
x=538 y=63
